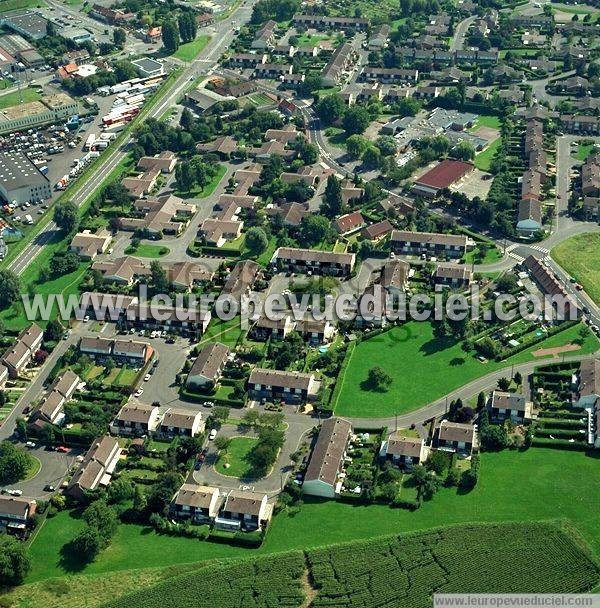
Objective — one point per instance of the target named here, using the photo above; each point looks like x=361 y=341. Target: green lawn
x=492 y=122
x=13 y=99
x=533 y=485
x=483 y=160
x=11 y=5
x=306 y=40
x=236 y=456
x=189 y=51
x=147 y=251
x=411 y=352
x=492 y=255
x=198 y=192
x=580 y=257
x=584 y=150
x=15 y=317
x=259 y=99
x=226 y=332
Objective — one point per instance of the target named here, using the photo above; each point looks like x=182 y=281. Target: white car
x=139 y=392
x=147 y=377
x=20 y=492
x=86 y=319
x=212 y=434
x=29 y=444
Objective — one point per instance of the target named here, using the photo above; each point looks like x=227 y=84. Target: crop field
x=504 y=558
x=498 y=558
x=265 y=583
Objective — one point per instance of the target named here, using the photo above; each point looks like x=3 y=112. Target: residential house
x=341 y=60
x=16 y=513
x=273 y=329
x=583 y=124
x=320 y=22
x=322 y=476
x=351 y=222
x=279 y=385
x=241 y=279
x=432 y=244
x=403 y=451
x=208 y=365
x=156 y=216
x=122 y=352
x=288 y=259
x=88 y=245
x=378 y=231
x=165 y=162
x=265 y=36
x=315 y=331
x=588 y=387
x=22 y=352
x=96 y=468
x=246 y=511
x=394 y=276
x=509 y=406
x=456 y=437
x=455 y=276
x=389 y=75
x=179 y=422
x=136 y=419
x=200 y=504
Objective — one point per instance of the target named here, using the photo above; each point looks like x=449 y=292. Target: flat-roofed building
x=21 y=181
x=48 y=110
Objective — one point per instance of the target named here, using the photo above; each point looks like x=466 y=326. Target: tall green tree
x=15 y=562
x=333 y=201
x=66 y=216
x=10 y=288
x=170 y=36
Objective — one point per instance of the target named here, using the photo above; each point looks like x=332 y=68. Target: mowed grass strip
x=538 y=484
x=423 y=368
x=580 y=257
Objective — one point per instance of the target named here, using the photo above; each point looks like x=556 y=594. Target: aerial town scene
x=299 y=303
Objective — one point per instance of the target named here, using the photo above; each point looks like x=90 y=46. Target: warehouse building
x=48 y=110
x=27 y=23
x=20 y=179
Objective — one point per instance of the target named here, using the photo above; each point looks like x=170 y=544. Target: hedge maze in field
x=393 y=571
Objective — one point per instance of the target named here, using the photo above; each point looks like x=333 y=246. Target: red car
x=62 y=449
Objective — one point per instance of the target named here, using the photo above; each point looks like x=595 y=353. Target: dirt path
x=309 y=590
x=554 y=352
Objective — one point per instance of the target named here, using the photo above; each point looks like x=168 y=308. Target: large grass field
x=236 y=456
x=580 y=257
x=11 y=5
x=14 y=98
x=423 y=368
x=189 y=51
x=538 y=484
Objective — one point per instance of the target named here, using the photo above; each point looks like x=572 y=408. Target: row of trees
x=175 y=32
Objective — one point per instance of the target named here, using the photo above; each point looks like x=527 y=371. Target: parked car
x=49 y=488
x=29 y=444
x=147 y=377
x=208 y=404
x=212 y=434
x=62 y=449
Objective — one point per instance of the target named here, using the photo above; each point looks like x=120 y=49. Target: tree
x=518 y=378
x=372 y=158
x=330 y=108
x=119 y=490
x=14 y=463
x=66 y=216
x=159 y=276
x=119 y=37
x=220 y=414
x=10 y=288
x=54 y=331
x=464 y=151
x=507 y=283
x=427 y=483
x=250 y=417
x=256 y=240
x=378 y=379
x=222 y=443
x=387 y=145
x=186 y=121
x=503 y=383
x=481 y=401
x=14 y=561
x=356 y=145
x=87 y=544
x=356 y=120
x=333 y=202
x=315 y=229
x=170 y=36
x=184 y=176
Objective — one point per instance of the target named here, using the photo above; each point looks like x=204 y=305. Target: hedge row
x=561 y=444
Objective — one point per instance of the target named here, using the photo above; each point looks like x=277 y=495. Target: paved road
x=205 y=62
x=460 y=32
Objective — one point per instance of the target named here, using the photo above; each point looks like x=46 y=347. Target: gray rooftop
x=17 y=171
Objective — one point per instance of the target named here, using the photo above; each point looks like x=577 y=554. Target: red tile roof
x=445 y=174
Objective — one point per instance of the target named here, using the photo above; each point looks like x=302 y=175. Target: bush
x=404 y=503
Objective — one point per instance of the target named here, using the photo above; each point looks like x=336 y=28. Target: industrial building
x=21 y=180
x=49 y=109
x=27 y=23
